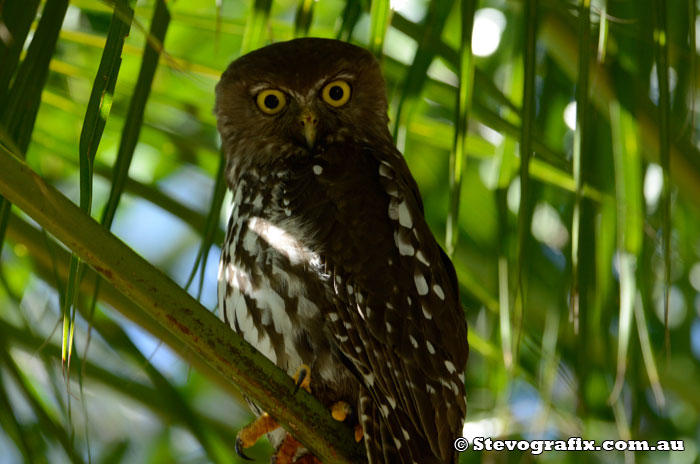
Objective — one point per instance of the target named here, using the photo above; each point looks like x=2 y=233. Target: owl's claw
x=239 y=449
x=302 y=378
x=340 y=410
x=251 y=433
x=359 y=433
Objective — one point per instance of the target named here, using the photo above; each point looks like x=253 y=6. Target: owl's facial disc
x=308 y=122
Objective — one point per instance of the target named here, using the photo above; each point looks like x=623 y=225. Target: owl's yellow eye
x=336 y=93
x=271 y=101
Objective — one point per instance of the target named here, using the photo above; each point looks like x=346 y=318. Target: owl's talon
x=302 y=379
x=359 y=433
x=239 y=449
x=251 y=433
x=340 y=410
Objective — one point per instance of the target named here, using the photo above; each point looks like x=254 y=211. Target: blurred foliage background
x=555 y=146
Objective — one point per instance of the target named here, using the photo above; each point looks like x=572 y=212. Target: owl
x=328 y=267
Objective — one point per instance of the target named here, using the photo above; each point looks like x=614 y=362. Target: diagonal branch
x=174 y=309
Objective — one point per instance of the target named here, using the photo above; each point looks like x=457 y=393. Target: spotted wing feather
x=396 y=316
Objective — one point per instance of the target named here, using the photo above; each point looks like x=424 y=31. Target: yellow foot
x=303 y=378
x=264 y=424
x=340 y=410
x=359 y=433
x=250 y=434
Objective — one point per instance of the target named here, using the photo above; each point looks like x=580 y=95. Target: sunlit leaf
x=254 y=34
x=527 y=129
x=379 y=19
x=580 y=150
x=662 y=72
x=464 y=102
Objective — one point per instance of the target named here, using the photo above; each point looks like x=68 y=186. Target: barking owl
x=329 y=268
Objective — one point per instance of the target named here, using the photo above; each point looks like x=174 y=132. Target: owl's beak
x=308 y=122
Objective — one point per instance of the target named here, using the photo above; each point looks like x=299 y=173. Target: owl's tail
x=375 y=431
x=380 y=443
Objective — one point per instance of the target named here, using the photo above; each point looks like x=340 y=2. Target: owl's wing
x=398 y=319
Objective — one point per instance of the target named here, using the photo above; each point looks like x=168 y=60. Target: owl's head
x=300 y=93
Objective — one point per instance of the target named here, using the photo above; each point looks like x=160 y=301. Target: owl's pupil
x=271 y=102
x=336 y=93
